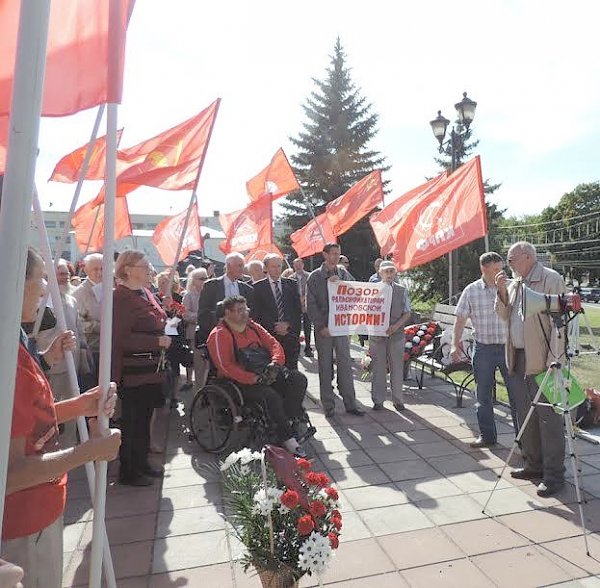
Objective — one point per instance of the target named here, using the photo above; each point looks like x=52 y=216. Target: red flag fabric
x=85 y=54
x=383 y=221
x=170 y=160
x=344 y=212
x=308 y=240
x=3 y=142
x=248 y=228
x=260 y=251
x=168 y=232
x=443 y=219
x=69 y=167
x=276 y=180
x=90 y=229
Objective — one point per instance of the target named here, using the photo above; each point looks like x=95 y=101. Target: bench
x=431 y=358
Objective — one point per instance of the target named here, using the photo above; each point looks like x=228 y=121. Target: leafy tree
x=431 y=279
x=333 y=153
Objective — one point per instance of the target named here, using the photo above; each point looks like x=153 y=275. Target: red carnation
x=289 y=498
x=336 y=522
x=317 y=509
x=303 y=464
x=312 y=478
x=332 y=493
x=333 y=540
x=406 y=356
x=305 y=525
x=336 y=513
x=324 y=480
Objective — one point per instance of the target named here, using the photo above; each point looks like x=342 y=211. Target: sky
x=532 y=67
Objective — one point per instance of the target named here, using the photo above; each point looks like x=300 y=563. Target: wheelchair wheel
x=213 y=418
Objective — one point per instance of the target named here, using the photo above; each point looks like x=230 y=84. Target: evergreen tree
x=332 y=155
x=431 y=279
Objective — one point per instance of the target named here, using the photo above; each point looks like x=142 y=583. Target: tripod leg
x=517 y=440
x=559 y=386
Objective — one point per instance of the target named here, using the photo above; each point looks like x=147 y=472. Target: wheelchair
x=221 y=420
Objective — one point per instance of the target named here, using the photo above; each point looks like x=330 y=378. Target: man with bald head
x=532 y=344
x=88 y=305
x=217 y=289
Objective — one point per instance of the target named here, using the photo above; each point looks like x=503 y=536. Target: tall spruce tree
x=431 y=279
x=333 y=154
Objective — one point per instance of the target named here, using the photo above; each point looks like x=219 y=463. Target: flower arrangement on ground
x=286 y=515
x=417 y=337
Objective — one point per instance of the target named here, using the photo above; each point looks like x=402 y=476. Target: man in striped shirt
x=489 y=331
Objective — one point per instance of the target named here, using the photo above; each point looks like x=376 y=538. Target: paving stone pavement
x=412 y=490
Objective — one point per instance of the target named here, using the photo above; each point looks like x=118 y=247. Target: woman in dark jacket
x=138 y=350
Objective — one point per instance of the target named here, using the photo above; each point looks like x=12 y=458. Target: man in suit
x=277 y=308
x=301 y=276
x=216 y=290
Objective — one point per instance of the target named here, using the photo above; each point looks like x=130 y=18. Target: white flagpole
x=106 y=312
x=15 y=211
x=71 y=369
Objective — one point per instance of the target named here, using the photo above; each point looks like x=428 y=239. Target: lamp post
x=454 y=148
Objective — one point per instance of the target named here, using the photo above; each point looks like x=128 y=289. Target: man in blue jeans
x=489 y=331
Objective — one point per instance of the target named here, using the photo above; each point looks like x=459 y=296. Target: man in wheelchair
x=244 y=352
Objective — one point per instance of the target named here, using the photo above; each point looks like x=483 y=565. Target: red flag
x=384 y=220
x=248 y=228
x=344 y=212
x=85 y=54
x=443 y=219
x=69 y=167
x=3 y=142
x=170 y=160
x=88 y=222
x=260 y=251
x=168 y=232
x=276 y=180
x=309 y=239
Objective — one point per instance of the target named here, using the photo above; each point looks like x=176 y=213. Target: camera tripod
x=559 y=401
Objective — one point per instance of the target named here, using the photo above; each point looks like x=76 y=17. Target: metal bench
x=431 y=358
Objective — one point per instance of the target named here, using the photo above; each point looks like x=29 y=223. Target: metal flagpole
x=61 y=242
x=87 y=247
x=15 y=211
x=106 y=312
x=71 y=369
x=192 y=198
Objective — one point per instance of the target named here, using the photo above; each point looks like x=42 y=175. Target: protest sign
x=359 y=308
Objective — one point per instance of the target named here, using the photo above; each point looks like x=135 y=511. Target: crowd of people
x=250 y=326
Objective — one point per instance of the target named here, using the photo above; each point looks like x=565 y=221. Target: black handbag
x=180 y=352
x=252 y=359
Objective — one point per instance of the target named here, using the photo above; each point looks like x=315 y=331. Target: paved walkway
x=412 y=490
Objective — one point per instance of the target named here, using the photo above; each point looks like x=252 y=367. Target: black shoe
x=545 y=490
x=525 y=474
x=378 y=406
x=399 y=406
x=356 y=412
x=153 y=472
x=309 y=353
x=140 y=480
x=330 y=413
x=186 y=386
x=481 y=442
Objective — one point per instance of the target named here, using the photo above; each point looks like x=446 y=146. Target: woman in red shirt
x=37 y=467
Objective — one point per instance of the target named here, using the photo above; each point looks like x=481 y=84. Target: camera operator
x=533 y=344
x=247 y=354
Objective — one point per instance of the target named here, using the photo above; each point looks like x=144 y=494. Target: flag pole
x=87 y=247
x=312 y=214
x=74 y=391
x=192 y=198
x=15 y=212
x=106 y=315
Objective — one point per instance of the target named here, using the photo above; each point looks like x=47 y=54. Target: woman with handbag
x=195 y=284
x=138 y=359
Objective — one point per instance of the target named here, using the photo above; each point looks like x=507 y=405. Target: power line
x=539 y=224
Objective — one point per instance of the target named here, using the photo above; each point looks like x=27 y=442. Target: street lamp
x=454 y=148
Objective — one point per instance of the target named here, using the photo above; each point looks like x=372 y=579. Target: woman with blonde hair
x=138 y=349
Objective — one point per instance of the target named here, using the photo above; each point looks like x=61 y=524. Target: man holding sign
x=317 y=303
x=389 y=350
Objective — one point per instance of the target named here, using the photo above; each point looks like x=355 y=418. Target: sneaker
x=481 y=442
x=309 y=353
x=545 y=490
x=356 y=412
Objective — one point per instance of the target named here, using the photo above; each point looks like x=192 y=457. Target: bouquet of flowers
x=417 y=337
x=286 y=515
x=365 y=364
